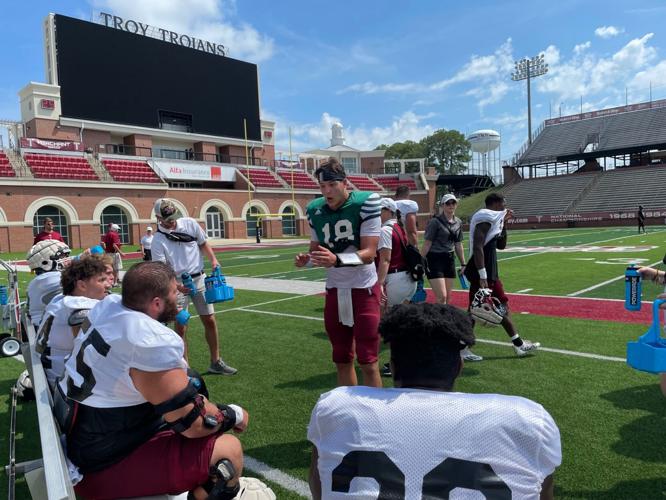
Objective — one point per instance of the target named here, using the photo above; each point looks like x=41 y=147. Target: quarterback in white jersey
x=449 y=444
x=85 y=282
x=135 y=424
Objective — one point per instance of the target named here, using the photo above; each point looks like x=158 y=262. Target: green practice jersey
x=339 y=229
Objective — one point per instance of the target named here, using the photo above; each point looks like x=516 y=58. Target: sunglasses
x=451 y=202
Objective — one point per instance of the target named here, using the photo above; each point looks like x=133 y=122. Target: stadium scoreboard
x=115 y=76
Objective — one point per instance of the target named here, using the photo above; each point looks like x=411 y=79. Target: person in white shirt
x=181 y=243
x=408 y=211
x=84 y=282
x=422 y=439
x=46 y=259
x=146 y=244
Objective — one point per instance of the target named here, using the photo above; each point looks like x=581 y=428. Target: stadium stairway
x=18 y=164
x=302 y=179
x=100 y=169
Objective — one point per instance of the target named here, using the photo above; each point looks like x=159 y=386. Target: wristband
x=239 y=414
x=483 y=274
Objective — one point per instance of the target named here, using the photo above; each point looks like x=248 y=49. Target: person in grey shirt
x=443 y=238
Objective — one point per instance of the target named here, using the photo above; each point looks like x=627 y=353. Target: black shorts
x=441 y=265
x=147 y=254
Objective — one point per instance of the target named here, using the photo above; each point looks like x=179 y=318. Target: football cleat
x=467 y=355
x=486 y=309
x=527 y=348
x=48 y=255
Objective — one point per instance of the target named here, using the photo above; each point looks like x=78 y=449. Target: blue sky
x=388 y=70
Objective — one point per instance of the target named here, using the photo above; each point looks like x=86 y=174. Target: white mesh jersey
x=55 y=339
x=407 y=207
x=427 y=444
x=41 y=291
x=182 y=257
x=98 y=372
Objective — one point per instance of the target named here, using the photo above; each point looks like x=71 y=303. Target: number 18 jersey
x=341 y=230
x=412 y=444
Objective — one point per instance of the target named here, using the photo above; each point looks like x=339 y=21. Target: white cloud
x=608 y=31
x=489 y=94
x=308 y=136
x=205 y=19
x=582 y=47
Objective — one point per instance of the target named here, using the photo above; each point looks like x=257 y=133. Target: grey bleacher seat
x=625 y=189
x=547 y=195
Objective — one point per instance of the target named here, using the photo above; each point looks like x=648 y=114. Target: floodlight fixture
x=526 y=69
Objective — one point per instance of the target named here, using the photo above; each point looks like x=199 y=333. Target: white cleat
x=467 y=355
x=527 y=348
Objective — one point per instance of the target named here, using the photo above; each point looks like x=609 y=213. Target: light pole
x=525 y=70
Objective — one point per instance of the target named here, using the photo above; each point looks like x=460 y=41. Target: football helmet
x=253 y=489
x=24 y=386
x=48 y=255
x=486 y=309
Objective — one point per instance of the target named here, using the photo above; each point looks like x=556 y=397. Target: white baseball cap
x=447 y=197
x=388 y=204
x=149 y=228
x=115 y=227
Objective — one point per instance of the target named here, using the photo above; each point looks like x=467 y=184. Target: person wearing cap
x=146 y=244
x=181 y=243
x=344 y=232
x=392 y=268
x=487 y=234
x=112 y=244
x=48 y=233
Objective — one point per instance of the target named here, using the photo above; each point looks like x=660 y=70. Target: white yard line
x=267 y=261
x=484 y=341
x=525 y=291
x=552 y=236
x=603 y=283
x=288 y=482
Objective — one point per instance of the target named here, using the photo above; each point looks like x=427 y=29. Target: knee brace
x=221 y=473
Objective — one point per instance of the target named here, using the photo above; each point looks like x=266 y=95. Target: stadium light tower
x=527 y=69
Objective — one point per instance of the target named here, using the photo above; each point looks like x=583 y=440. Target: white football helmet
x=486 y=309
x=48 y=255
x=253 y=489
x=24 y=386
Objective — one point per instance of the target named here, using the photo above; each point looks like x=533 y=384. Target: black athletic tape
x=184 y=397
x=229 y=421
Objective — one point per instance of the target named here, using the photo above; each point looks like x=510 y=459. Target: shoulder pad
x=78 y=317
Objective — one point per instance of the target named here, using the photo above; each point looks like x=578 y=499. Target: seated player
x=84 y=282
x=421 y=439
x=46 y=259
x=126 y=379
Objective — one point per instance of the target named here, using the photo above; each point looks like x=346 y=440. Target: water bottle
x=464 y=284
x=189 y=283
x=632 y=289
x=3 y=295
x=183 y=317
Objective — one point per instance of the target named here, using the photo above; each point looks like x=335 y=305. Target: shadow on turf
x=644 y=489
x=322 y=382
x=639 y=438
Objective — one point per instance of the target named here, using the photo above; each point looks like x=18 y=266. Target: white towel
x=493 y=217
x=345 y=307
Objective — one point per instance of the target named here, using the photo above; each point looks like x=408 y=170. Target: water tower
x=485 y=154
x=337 y=134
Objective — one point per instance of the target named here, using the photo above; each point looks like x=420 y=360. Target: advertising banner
x=31 y=143
x=189 y=171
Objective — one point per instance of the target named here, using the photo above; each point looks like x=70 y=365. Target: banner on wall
x=629 y=215
x=170 y=169
x=31 y=143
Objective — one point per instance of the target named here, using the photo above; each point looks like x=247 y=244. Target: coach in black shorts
x=443 y=241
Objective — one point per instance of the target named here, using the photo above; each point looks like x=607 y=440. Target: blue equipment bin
x=648 y=353
x=217 y=289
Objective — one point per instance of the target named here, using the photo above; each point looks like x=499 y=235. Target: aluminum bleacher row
x=49 y=166
x=130 y=171
x=364 y=183
x=302 y=180
x=6 y=169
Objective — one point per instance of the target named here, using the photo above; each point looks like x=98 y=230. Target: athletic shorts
x=496 y=286
x=117 y=262
x=363 y=336
x=199 y=300
x=168 y=463
x=441 y=265
x=400 y=287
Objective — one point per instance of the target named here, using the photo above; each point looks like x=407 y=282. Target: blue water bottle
x=632 y=289
x=189 y=283
x=3 y=295
x=464 y=284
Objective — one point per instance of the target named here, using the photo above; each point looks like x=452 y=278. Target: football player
x=345 y=228
x=84 y=282
x=46 y=259
x=487 y=234
x=421 y=439
x=126 y=379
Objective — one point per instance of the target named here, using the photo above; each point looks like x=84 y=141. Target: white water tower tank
x=337 y=134
x=484 y=141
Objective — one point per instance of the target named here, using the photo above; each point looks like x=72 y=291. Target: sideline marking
x=525 y=291
x=607 y=282
x=494 y=342
x=277 y=476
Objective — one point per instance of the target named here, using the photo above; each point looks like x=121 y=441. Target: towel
x=345 y=307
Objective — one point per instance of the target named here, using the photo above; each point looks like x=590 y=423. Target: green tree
x=400 y=150
x=448 y=150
